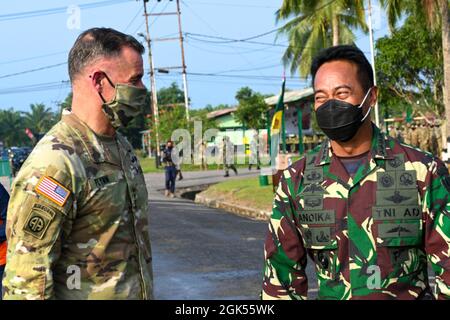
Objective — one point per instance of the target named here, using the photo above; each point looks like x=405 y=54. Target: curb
x=243 y=211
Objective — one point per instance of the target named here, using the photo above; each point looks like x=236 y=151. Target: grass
x=246 y=192
x=148 y=166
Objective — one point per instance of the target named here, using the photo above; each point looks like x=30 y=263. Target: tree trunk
x=335 y=29
x=446 y=55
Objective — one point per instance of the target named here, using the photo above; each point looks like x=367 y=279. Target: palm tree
x=437 y=14
x=12 y=130
x=318 y=24
x=40 y=119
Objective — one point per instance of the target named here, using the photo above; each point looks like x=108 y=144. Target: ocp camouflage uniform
x=382 y=224
x=87 y=237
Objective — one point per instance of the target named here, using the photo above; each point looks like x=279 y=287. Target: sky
x=37 y=36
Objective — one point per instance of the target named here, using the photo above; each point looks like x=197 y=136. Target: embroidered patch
x=317 y=217
x=398 y=230
x=398 y=163
x=312 y=203
x=386 y=180
x=407 y=179
x=398 y=197
x=38 y=220
x=313 y=176
x=396 y=213
x=52 y=190
x=317 y=236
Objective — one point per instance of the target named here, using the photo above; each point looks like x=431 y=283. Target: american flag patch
x=52 y=190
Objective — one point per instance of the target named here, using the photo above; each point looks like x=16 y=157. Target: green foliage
x=316 y=25
x=170 y=95
x=12 y=128
x=410 y=69
x=251 y=109
x=40 y=119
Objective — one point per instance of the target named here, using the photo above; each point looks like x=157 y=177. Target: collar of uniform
x=87 y=136
x=379 y=148
x=324 y=155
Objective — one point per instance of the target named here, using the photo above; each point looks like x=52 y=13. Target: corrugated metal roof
x=290 y=96
x=221 y=112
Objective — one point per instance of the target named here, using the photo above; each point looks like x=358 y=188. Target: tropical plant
x=315 y=25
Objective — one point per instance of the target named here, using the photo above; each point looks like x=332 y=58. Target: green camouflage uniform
x=384 y=223
x=94 y=243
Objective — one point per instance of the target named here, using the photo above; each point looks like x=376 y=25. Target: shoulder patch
x=52 y=190
x=38 y=220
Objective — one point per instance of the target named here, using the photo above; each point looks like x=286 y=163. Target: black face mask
x=340 y=120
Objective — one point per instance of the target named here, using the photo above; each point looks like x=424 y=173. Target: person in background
x=170 y=169
x=4 y=199
x=228 y=156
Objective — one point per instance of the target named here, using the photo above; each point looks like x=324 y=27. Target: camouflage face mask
x=129 y=101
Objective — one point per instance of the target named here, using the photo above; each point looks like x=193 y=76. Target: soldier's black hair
x=347 y=53
x=95 y=43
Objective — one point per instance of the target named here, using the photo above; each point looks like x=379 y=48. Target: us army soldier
x=369 y=212
x=77 y=224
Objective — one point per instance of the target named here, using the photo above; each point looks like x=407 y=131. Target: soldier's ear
x=373 y=96
x=96 y=80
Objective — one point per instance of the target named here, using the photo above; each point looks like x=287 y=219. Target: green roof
x=291 y=96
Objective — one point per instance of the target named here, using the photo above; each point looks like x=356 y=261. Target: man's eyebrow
x=319 y=91
x=344 y=86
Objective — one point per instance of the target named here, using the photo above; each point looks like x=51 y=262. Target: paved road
x=203 y=253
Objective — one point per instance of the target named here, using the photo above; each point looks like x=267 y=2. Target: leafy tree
x=12 y=128
x=318 y=24
x=409 y=68
x=436 y=13
x=40 y=119
x=251 y=109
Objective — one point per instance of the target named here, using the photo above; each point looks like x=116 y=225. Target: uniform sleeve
x=437 y=229
x=40 y=204
x=284 y=254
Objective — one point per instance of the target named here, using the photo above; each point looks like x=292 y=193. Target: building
x=294 y=101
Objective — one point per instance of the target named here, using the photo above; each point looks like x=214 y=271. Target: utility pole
x=154 y=100
x=183 y=61
x=372 y=56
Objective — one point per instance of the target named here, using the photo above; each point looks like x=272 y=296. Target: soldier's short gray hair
x=96 y=43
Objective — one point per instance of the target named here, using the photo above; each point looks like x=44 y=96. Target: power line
x=36 y=87
x=45 y=12
x=230 y=40
x=33 y=58
x=133 y=19
x=232 y=5
x=32 y=70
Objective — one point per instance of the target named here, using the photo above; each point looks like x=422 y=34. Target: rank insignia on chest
x=52 y=190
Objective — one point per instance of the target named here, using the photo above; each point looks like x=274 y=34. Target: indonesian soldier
x=77 y=221
x=368 y=211
x=407 y=134
x=414 y=136
x=424 y=137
